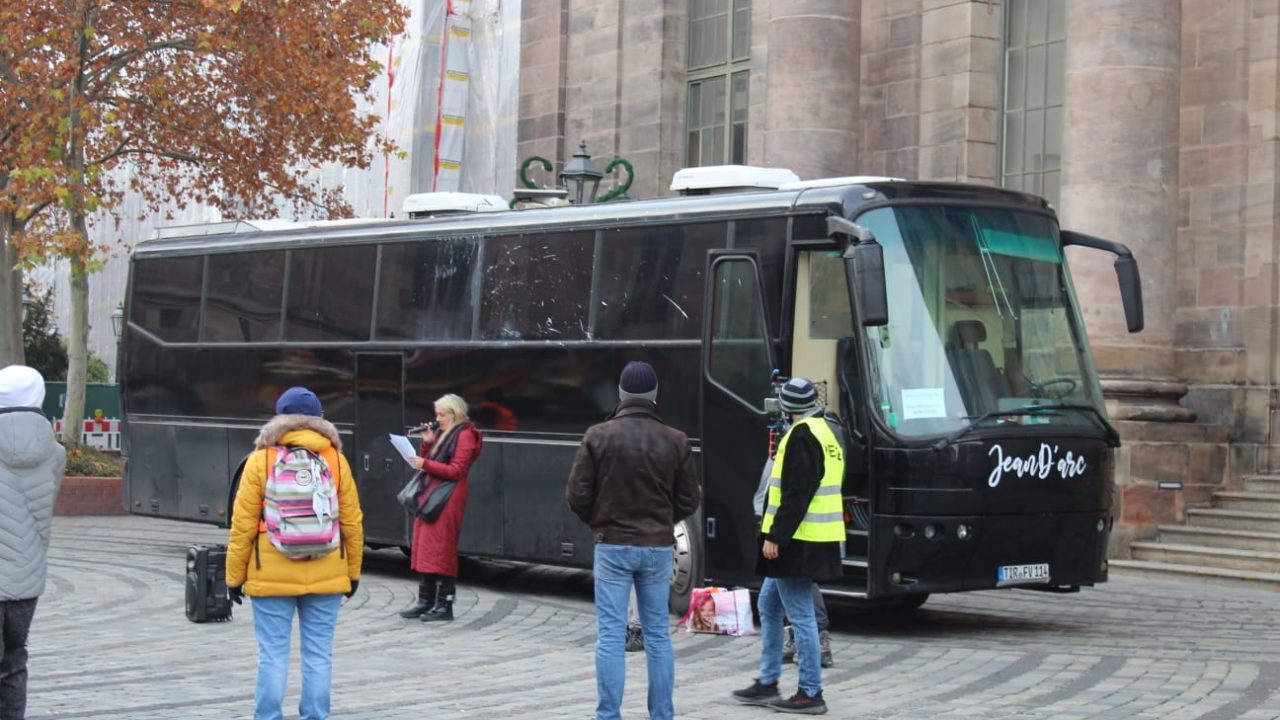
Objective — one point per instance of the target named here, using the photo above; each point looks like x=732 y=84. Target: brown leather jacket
x=633 y=478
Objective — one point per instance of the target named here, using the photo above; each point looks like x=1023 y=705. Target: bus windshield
x=983 y=328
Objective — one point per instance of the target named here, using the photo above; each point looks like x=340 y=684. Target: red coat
x=435 y=545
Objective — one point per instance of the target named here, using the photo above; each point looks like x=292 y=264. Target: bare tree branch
x=117 y=63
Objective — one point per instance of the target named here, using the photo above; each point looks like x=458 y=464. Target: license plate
x=1022 y=574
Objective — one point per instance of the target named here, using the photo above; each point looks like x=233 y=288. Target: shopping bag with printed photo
x=734 y=612
x=719 y=611
x=702 y=615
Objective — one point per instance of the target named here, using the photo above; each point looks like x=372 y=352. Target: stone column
x=1120 y=181
x=960 y=64
x=811 y=86
x=544 y=49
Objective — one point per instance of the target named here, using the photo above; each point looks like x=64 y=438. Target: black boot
x=426 y=598
x=443 y=611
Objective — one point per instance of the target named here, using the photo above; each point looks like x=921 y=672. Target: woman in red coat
x=446 y=456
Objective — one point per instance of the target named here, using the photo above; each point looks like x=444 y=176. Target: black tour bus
x=938 y=320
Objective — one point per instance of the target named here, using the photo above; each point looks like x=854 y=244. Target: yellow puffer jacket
x=263 y=571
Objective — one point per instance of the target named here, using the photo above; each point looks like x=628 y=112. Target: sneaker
x=801 y=703
x=758 y=694
x=788 y=645
x=635 y=638
x=824 y=646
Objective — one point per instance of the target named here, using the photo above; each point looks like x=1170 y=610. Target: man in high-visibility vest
x=801 y=532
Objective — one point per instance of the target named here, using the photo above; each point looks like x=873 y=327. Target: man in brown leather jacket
x=632 y=480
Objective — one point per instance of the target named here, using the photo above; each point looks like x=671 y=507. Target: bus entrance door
x=380 y=471
x=737 y=368
x=822 y=350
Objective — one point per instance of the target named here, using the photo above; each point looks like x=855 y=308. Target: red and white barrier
x=101 y=433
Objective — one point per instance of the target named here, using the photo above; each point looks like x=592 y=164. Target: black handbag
x=437 y=498
x=430 y=507
x=408 y=495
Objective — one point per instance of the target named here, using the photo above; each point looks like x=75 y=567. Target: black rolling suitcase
x=207 y=599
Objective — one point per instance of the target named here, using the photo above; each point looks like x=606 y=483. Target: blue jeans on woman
x=794 y=598
x=273 y=624
x=617 y=568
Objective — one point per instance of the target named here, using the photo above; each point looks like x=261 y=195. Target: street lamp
x=580 y=181
x=117 y=320
x=581 y=177
x=26 y=305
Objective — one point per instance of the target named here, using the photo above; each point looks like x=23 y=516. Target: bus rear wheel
x=687 y=561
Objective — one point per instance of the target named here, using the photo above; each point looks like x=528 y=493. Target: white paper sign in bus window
x=920 y=403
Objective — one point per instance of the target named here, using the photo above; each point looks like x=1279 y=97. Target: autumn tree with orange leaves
x=228 y=103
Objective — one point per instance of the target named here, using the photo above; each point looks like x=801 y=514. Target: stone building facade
x=1152 y=122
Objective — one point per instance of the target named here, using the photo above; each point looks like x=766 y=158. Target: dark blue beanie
x=299 y=401
x=638 y=380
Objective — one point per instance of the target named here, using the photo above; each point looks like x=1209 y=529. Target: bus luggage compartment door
x=379 y=469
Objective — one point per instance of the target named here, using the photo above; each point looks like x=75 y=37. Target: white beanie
x=21 y=386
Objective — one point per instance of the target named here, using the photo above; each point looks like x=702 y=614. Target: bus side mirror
x=868 y=272
x=864 y=267
x=1126 y=273
x=1130 y=292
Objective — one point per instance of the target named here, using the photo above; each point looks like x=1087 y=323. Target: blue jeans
x=272 y=624
x=616 y=568
x=794 y=597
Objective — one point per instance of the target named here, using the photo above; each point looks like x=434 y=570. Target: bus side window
x=536 y=287
x=167 y=302
x=242 y=301
x=425 y=290
x=650 y=281
x=739 y=353
x=329 y=294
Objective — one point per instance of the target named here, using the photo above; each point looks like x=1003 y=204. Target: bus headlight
x=932 y=532
x=1102 y=524
x=962 y=531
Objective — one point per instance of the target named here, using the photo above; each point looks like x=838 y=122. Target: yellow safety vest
x=824 y=520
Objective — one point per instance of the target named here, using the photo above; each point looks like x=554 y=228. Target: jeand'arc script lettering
x=1039 y=464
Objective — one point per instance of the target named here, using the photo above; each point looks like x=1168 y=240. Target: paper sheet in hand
x=402 y=444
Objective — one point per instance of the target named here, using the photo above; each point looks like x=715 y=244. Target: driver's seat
x=980 y=381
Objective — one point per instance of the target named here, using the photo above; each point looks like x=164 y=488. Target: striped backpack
x=300 y=502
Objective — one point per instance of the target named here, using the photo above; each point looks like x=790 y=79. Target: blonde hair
x=455 y=406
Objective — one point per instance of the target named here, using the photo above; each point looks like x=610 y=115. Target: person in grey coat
x=31 y=465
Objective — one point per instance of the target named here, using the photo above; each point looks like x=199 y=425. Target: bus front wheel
x=687 y=561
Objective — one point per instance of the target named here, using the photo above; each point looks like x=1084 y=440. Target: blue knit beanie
x=299 y=401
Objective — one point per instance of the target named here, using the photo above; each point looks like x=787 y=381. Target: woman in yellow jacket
x=280 y=586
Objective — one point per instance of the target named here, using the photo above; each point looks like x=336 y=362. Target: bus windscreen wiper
x=1113 y=437
x=974 y=420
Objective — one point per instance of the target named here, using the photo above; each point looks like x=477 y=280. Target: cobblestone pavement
x=110 y=641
